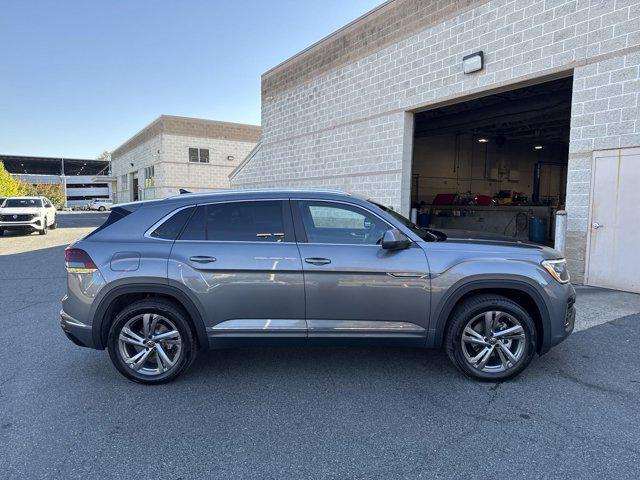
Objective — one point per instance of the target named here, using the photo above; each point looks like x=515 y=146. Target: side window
x=171 y=228
x=329 y=222
x=245 y=221
x=237 y=222
x=194 y=229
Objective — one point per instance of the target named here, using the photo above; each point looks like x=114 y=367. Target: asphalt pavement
x=338 y=413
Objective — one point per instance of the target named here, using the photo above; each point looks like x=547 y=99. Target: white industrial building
x=481 y=114
x=83 y=180
x=174 y=153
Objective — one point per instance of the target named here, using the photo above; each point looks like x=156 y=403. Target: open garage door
x=495 y=165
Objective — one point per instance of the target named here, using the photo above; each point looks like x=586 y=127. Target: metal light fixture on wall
x=231 y=158
x=473 y=63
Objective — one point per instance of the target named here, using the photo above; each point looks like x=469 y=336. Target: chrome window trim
x=281 y=199
x=153 y=227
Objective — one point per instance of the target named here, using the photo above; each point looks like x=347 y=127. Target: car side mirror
x=394 y=239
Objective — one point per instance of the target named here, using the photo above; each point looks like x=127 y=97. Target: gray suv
x=162 y=279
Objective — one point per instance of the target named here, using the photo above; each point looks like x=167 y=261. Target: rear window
x=23 y=203
x=115 y=215
x=171 y=228
x=237 y=221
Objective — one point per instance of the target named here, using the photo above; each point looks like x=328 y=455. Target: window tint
x=327 y=222
x=170 y=229
x=237 y=222
x=194 y=230
x=245 y=221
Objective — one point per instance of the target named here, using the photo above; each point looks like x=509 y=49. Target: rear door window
x=255 y=221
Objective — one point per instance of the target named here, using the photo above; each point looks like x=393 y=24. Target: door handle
x=317 y=261
x=202 y=259
x=596 y=225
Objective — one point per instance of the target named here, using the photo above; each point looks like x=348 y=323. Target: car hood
x=481 y=243
x=19 y=210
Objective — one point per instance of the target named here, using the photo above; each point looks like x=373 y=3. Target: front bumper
x=76 y=331
x=35 y=224
x=563 y=316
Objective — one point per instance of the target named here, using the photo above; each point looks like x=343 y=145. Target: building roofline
x=246 y=160
x=333 y=34
x=57 y=159
x=178 y=125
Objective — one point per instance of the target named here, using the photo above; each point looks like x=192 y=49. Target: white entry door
x=614 y=239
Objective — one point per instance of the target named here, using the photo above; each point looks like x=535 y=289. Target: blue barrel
x=424 y=219
x=537 y=229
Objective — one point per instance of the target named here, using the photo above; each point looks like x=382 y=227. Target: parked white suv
x=29 y=214
x=100 y=204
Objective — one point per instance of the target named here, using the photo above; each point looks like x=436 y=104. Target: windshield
x=22 y=203
x=426 y=234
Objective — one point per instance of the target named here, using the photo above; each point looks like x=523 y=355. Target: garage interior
x=496 y=164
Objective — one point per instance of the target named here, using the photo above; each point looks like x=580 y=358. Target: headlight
x=557 y=269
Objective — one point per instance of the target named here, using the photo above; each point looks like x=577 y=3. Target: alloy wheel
x=493 y=341
x=150 y=344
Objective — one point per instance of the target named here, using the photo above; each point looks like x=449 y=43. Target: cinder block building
x=465 y=109
x=178 y=152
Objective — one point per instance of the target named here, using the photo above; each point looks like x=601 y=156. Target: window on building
x=237 y=222
x=327 y=222
x=199 y=155
x=149 y=176
x=124 y=182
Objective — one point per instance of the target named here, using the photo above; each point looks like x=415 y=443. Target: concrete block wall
x=177 y=172
x=605 y=115
x=317 y=113
x=143 y=155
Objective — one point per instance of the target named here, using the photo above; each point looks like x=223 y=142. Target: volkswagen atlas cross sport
x=162 y=279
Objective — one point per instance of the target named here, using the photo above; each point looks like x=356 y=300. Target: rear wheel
x=1 y=231
x=54 y=225
x=491 y=338
x=102 y=208
x=151 y=342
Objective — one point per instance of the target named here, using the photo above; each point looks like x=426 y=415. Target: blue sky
x=80 y=77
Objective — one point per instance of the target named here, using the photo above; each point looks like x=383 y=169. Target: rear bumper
x=77 y=332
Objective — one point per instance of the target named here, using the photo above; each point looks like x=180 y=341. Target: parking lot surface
x=302 y=413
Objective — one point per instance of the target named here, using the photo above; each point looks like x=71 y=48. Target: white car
x=29 y=214
x=100 y=205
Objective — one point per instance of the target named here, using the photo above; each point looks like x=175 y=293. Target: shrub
x=53 y=191
x=9 y=186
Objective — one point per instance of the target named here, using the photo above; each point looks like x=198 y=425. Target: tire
x=54 y=225
x=181 y=348
x=45 y=228
x=477 y=348
x=102 y=208
x=1 y=232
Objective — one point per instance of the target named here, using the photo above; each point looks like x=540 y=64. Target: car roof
x=263 y=193
x=23 y=198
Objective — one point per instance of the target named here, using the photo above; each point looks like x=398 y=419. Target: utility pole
x=63 y=177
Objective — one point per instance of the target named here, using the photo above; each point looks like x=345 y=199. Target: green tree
x=106 y=155
x=9 y=186
x=53 y=191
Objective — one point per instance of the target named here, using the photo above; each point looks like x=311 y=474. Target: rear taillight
x=78 y=261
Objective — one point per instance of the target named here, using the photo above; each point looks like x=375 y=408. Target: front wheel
x=45 y=228
x=151 y=342
x=491 y=338
x=102 y=209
